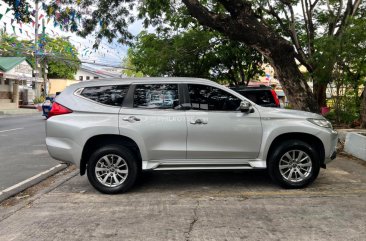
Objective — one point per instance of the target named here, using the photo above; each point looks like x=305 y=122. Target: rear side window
x=108 y=95
x=156 y=96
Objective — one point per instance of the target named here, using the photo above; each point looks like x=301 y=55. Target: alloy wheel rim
x=295 y=166
x=111 y=170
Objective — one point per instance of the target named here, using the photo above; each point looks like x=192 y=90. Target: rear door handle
x=131 y=119
x=198 y=122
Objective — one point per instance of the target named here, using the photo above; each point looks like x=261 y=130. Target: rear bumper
x=63 y=150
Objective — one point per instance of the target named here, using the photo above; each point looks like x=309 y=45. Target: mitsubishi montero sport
x=114 y=129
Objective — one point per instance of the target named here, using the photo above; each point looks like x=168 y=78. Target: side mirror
x=245 y=106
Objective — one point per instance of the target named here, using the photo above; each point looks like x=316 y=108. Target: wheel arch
x=101 y=140
x=312 y=140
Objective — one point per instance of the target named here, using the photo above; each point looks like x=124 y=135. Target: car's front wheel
x=294 y=164
x=112 y=169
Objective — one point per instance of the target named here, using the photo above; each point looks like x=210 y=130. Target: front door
x=217 y=129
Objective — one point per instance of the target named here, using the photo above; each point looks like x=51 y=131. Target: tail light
x=275 y=97
x=58 y=109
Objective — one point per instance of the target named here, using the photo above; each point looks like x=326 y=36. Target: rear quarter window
x=108 y=95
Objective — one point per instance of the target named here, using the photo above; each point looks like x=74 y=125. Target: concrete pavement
x=240 y=205
x=23 y=152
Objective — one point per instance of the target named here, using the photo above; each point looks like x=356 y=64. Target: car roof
x=146 y=80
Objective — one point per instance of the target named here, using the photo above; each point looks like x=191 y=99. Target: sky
x=107 y=54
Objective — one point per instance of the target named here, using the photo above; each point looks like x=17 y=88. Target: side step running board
x=202 y=166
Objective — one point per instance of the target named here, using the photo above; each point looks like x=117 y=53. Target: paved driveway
x=200 y=206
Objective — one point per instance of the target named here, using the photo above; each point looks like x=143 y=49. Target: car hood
x=267 y=112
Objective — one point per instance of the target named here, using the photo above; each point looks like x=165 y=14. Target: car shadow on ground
x=183 y=180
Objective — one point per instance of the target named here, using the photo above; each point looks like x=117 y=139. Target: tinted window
x=210 y=98
x=157 y=96
x=108 y=95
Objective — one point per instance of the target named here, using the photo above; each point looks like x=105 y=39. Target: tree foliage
x=60 y=54
x=348 y=70
x=275 y=28
x=195 y=53
x=64 y=65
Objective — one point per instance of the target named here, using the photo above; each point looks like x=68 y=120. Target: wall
x=84 y=74
x=58 y=85
x=5 y=92
x=21 y=70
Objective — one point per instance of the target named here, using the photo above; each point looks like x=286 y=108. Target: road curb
x=21 y=186
x=18 y=112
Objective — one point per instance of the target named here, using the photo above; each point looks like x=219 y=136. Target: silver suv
x=114 y=129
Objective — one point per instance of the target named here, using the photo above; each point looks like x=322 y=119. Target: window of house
x=87 y=77
x=156 y=96
x=108 y=95
x=96 y=77
x=6 y=82
x=81 y=78
x=205 y=97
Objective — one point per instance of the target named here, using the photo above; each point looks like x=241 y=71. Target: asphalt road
x=23 y=152
x=212 y=205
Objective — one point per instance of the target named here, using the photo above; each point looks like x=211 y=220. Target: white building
x=86 y=73
x=16 y=82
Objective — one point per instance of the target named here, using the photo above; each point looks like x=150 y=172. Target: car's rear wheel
x=112 y=169
x=294 y=164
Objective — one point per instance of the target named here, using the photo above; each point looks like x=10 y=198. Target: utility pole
x=44 y=62
x=37 y=87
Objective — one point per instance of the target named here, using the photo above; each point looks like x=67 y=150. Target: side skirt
x=203 y=164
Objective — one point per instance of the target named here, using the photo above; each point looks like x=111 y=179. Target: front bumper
x=332 y=152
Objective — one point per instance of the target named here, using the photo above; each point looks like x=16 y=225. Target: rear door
x=154 y=117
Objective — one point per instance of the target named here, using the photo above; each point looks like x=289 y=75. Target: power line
x=74 y=61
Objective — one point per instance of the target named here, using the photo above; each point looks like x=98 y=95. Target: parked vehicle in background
x=261 y=95
x=114 y=129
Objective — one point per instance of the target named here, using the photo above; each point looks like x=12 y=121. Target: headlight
x=321 y=122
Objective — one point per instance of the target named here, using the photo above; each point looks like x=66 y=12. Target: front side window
x=156 y=96
x=109 y=95
x=205 y=97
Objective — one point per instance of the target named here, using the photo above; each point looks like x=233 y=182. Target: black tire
x=288 y=146
x=130 y=164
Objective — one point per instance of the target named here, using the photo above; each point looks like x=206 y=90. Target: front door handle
x=198 y=122
x=131 y=119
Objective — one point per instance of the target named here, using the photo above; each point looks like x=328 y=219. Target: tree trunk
x=292 y=80
x=363 y=108
x=320 y=94
x=243 y=25
x=233 y=77
x=242 y=76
